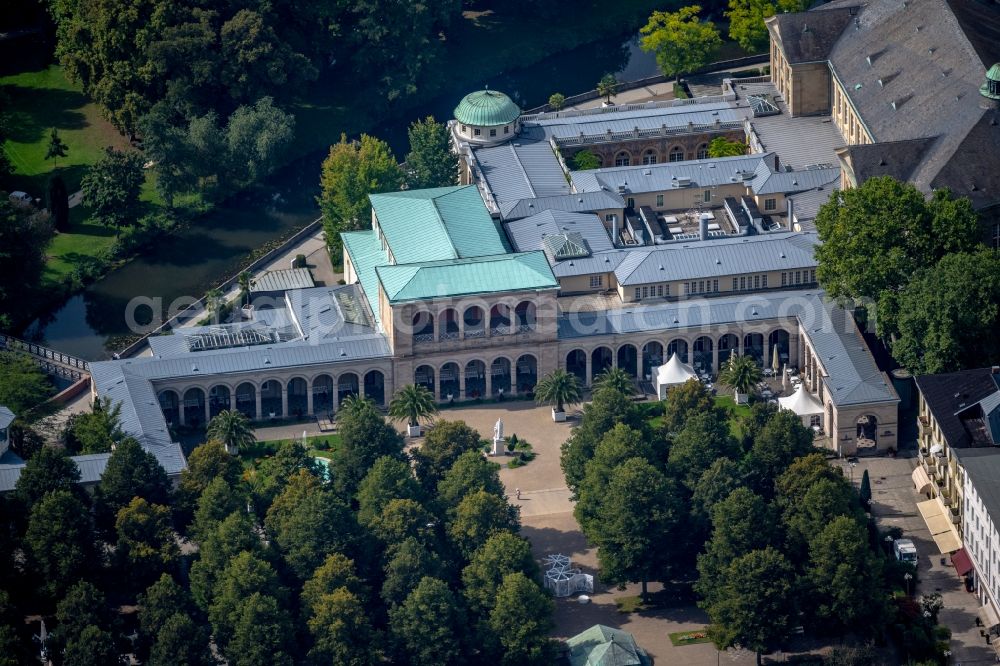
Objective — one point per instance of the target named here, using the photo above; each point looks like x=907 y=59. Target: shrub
x=300 y=261
x=680 y=92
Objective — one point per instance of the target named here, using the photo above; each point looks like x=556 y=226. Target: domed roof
x=991 y=87
x=485 y=108
x=994 y=73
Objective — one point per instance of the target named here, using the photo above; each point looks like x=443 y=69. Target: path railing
x=51 y=361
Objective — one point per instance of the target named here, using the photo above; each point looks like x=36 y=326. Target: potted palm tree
x=412 y=403
x=232 y=429
x=741 y=374
x=558 y=389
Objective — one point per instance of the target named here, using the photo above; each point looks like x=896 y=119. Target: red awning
x=960 y=559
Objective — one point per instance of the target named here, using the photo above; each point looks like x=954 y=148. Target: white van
x=905 y=551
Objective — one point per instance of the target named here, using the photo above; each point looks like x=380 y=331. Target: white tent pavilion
x=803 y=403
x=672 y=373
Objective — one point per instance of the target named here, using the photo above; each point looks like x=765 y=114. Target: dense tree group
x=378 y=560
x=919 y=266
x=777 y=536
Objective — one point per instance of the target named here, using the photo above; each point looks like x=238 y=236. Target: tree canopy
x=681 y=41
x=430 y=162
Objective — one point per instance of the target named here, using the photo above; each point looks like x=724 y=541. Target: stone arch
x=729 y=344
x=576 y=364
x=649 y=156
x=270 y=398
x=500 y=376
x=702 y=354
x=628 y=359
x=601 y=360
x=423 y=326
x=623 y=158
x=526 y=373
x=246 y=400
x=194 y=406
x=777 y=338
x=450 y=381
x=424 y=376
x=753 y=346
x=702 y=151
x=475 y=326
x=170 y=406
x=298 y=396
x=678 y=346
x=475 y=379
x=867 y=432
x=348 y=384
x=322 y=389
x=375 y=386
x=218 y=399
x=448 y=327
x=676 y=154
x=652 y=357
x=525 y=316
x=500 y=319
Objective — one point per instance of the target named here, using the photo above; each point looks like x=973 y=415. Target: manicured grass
x=84 y=239
x=39 y=101
x=630 y=604
x=679 y=638
x=267 y=449
x=736 y=412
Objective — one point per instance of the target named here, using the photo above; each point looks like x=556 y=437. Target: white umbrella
x=775 y=361
x=784 y=377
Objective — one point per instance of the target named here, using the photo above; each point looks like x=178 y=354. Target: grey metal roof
x=9 y=474
x=522 y=169
x=571 y=203
x=6 y=417
x=717 y=258
x=92 y=466
x=283 y=280
x=807 y=204
x=853 y=377
x=612 y=114
x=629 y=121
x=528 y=233
x=661 y=177
x=794 y=181
x=983 y=471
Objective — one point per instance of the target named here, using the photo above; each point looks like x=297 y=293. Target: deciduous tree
x=408 y=563
x=522 y=620
x=49 y=471
x=341 y=631
x=336 y=572
x=57 y=200
x=388 y=479
x=720 y=146
x=430 y=162
x=469 y=473
x=479 y=516
x=111 y=188
x=365 y=437
x=23 y=385
x=681 y=41
x=131 y=472
x=703 y=439
x=146 y=544
x=95 y=431
x=24 y=240
x=503 y=553
x=441 y=448
x=427 y=627
x=59 y=542
x=746 y=21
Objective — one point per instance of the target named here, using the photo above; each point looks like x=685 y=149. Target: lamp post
x=852 y=465
x=907 y=577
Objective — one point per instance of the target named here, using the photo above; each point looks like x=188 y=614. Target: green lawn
x=82 y=240
x=260 y=450
x=736 y=412
x=39 y=101
x=679 y=638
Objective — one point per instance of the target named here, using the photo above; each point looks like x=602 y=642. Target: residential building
x=958 y=420
x=981 y=527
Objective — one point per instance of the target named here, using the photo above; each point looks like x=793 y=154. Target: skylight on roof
x=760 y=105
x=566 y=246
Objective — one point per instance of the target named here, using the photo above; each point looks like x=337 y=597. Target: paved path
x=894 y=504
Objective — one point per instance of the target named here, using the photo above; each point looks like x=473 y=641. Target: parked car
x=905 y=551
x=20 y=198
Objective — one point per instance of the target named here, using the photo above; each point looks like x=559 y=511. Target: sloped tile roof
x=948 y=393
x=810 y=36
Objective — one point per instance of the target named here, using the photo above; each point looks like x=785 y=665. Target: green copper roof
x=486 y=108
x=366 y=253
x=437 y=223
x=604 y=646
x=459 y=277
x=991 y=87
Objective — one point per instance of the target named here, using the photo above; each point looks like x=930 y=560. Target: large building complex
x=529 y=265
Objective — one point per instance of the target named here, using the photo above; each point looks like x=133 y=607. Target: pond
x=193 y=260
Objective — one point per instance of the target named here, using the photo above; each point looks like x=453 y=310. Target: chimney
x=791 y=213
x=703 y=226
x=614 y=230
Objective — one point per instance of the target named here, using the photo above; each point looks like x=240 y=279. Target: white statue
x=498 y=443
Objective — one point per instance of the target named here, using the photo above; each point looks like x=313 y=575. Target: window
x=756 y=282
x=715 y=285
x=734 y=284
x=797 y=276
x=506 y=129
x=493 y=132
x=770 y=204
x=645 y=292
x=743 y=283
x=687 y=288
x=638 y=293
x=659 y=290
x=812 y=275
x=703 y=151
x=465 y=129
x=649 y=157
x=701 y=286
x=596 y=281
x=784 y=279
x=763 y=281
x=609 y=217
x=666 y=289
x=659 y=200
x=622 y=159
x=477 y=131
x=707 y=196
x=676 y=154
